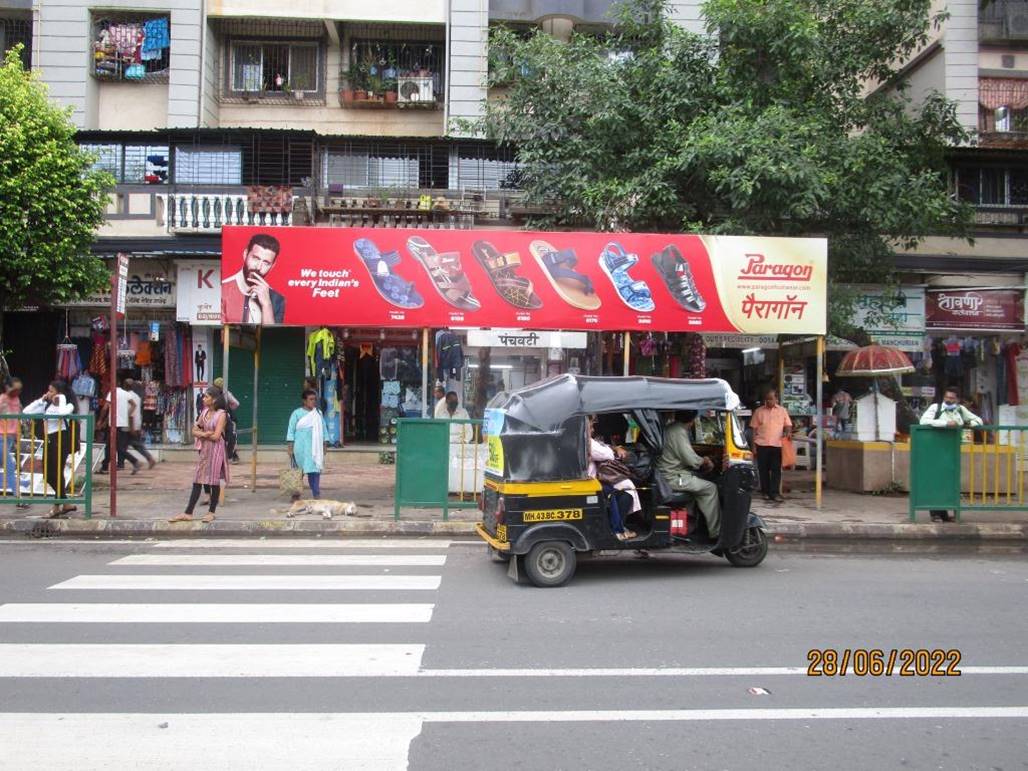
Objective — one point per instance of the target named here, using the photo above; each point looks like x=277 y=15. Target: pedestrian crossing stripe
x=216 y=613
x=250 y=582
x=304 y=543
x=282 y=560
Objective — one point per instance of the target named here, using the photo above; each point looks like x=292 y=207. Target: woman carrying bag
x=61 y=440
x=305 y=440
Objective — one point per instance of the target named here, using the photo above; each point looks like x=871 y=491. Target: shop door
x=280 y=385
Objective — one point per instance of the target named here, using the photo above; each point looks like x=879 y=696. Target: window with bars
x=208 y=166
x=412 y=69
x=131 y=47
x=14 y=31
x=263 y=68
x=993 y=185
x=132 y=164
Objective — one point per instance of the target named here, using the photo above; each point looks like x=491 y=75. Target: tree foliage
x=51 y=201
x=765 y=126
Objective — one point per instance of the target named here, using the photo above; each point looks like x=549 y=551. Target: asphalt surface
x=436 y=660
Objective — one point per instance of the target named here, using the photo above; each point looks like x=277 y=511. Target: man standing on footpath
x=770 y=424
x=950 y=413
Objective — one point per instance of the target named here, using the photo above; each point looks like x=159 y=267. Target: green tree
x=766 y=126
x=51 y=199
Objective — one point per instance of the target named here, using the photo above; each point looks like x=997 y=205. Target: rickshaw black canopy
x=547 y=405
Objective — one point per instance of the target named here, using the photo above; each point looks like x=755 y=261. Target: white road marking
x=303 y=543
x=678 y=672
x=250 y=582
x=283 y=560
x=215 y=613
x=114 y=660
x=230 y=742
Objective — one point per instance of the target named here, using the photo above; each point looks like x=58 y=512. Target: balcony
x=209 y=212
x=1001 y=217
x=1003 y=21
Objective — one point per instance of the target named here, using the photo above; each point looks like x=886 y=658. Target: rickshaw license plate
x=501 y=533
x=551 y=515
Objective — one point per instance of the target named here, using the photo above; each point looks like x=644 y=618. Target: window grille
x=15 y=31
x=993 y=186
x=132 y=164
x=131 y=47
x=208 y=166
x=414 y=69
x=275 y=69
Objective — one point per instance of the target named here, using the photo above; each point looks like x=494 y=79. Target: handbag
x=613 y=471
x=290 y=480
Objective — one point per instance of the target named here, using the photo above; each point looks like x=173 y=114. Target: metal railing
x=39 y=466
x=981 y=468
x=209 y=212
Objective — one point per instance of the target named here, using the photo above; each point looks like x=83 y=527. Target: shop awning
x=191 y=246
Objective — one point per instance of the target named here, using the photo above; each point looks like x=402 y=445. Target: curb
x=262 y=528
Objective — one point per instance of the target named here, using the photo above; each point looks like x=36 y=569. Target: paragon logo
x=758 y=269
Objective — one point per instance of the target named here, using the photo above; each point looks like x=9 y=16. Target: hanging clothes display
x=68 y=364
x=1010 y=354
x=321 y=346
x=954 y=366
x=450 y=353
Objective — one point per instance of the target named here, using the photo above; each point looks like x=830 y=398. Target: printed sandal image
x=446 y=273
x=576 y=289
x=677 y=275
x=502 y=268
x=616 y=262
x=394 y=289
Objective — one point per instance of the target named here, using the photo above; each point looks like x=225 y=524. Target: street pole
x=424 y=374
x=118 y=279
x=820 y=422
x=253 y=420
x=628 y=352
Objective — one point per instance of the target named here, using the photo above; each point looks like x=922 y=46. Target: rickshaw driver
x=679 y=464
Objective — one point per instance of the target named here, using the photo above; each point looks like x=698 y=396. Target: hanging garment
x=321 y=346
x=68 y=364
x=451 y=355
x=1001 y=378
x=156 y=37
x=1010 y=354
x=954 y=365
x=143 y=353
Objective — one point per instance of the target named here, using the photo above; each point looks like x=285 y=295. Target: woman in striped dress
x=212 y=465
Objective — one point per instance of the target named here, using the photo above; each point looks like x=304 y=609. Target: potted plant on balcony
x=389 y=88
x=359 y=81
x=345 y=88
x=298 y=86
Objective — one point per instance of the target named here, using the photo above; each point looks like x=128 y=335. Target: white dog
x=326 y=508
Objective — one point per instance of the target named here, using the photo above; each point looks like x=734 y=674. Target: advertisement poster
x=989 y=309
x=199 y=293
x=384 y=277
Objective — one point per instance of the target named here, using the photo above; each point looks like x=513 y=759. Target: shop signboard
x=199 y=293
x=975 y=309
x=143 y=288
x=895 y=319
x=364 y=277
x=743 y=342
x=524 y=338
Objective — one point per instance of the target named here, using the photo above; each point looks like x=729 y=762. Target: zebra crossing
x=162 y=588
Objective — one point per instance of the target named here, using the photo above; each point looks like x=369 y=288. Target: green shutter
x=281 y=381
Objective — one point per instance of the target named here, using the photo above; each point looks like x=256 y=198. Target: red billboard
x=992 y=309
x=395 y=277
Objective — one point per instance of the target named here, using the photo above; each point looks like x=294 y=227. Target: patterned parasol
x=872 y=360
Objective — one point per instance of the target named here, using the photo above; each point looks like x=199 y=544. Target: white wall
x=135 y=106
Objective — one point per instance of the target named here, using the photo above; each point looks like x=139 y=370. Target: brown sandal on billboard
x=502 y=271
x=446 y=272
x=576 y=289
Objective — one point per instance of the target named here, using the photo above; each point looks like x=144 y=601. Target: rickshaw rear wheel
x=550 y=563
x=751 y=551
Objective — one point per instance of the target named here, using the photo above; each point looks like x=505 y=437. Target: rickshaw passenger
x=680 y=464
x=622 y=489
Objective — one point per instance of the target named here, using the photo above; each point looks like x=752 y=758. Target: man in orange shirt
x=770 y=424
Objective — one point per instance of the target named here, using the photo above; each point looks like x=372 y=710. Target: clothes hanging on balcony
x=156 y=38
x=269 y=199
x=128 y=39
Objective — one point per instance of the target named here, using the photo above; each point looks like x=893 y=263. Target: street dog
x=326 y=508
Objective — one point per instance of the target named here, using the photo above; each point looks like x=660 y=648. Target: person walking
x=212 y=465
x=305 y=440
x=770 y=424
x=949 y=413
x=124 y=416
x=10 y=404
x=61 y=440
x=134 y=440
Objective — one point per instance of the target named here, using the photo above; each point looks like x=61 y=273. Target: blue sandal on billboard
x=394 y=289
x=678 y=278
x=576 y=289
x=616 y=262
x=446 y=272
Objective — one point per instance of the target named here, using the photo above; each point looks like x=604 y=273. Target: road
x=393 y=654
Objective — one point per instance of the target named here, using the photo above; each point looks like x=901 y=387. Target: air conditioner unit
x=416 y=90
x=1017 y=22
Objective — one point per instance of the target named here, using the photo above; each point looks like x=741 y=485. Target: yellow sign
x=501 y=533
x=551 y=515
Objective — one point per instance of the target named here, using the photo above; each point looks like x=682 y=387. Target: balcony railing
x=1001 y=216
x=209 y=212
x=1003 y=21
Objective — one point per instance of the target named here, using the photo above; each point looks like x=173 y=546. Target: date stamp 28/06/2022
x=878 y=662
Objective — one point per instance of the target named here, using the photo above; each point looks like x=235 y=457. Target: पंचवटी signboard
x=373 y=277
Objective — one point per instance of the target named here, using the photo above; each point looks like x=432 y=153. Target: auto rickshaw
x=540 y=508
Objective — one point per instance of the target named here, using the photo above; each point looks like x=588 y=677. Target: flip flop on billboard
x=616 y=262
x=576 y=289
x=678 y=278
x=502 y=271
x=394 y=289
x=446 y=272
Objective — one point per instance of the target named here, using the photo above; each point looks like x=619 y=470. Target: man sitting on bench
x=680 y=465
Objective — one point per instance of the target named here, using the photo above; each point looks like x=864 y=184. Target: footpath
x=146 y=501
